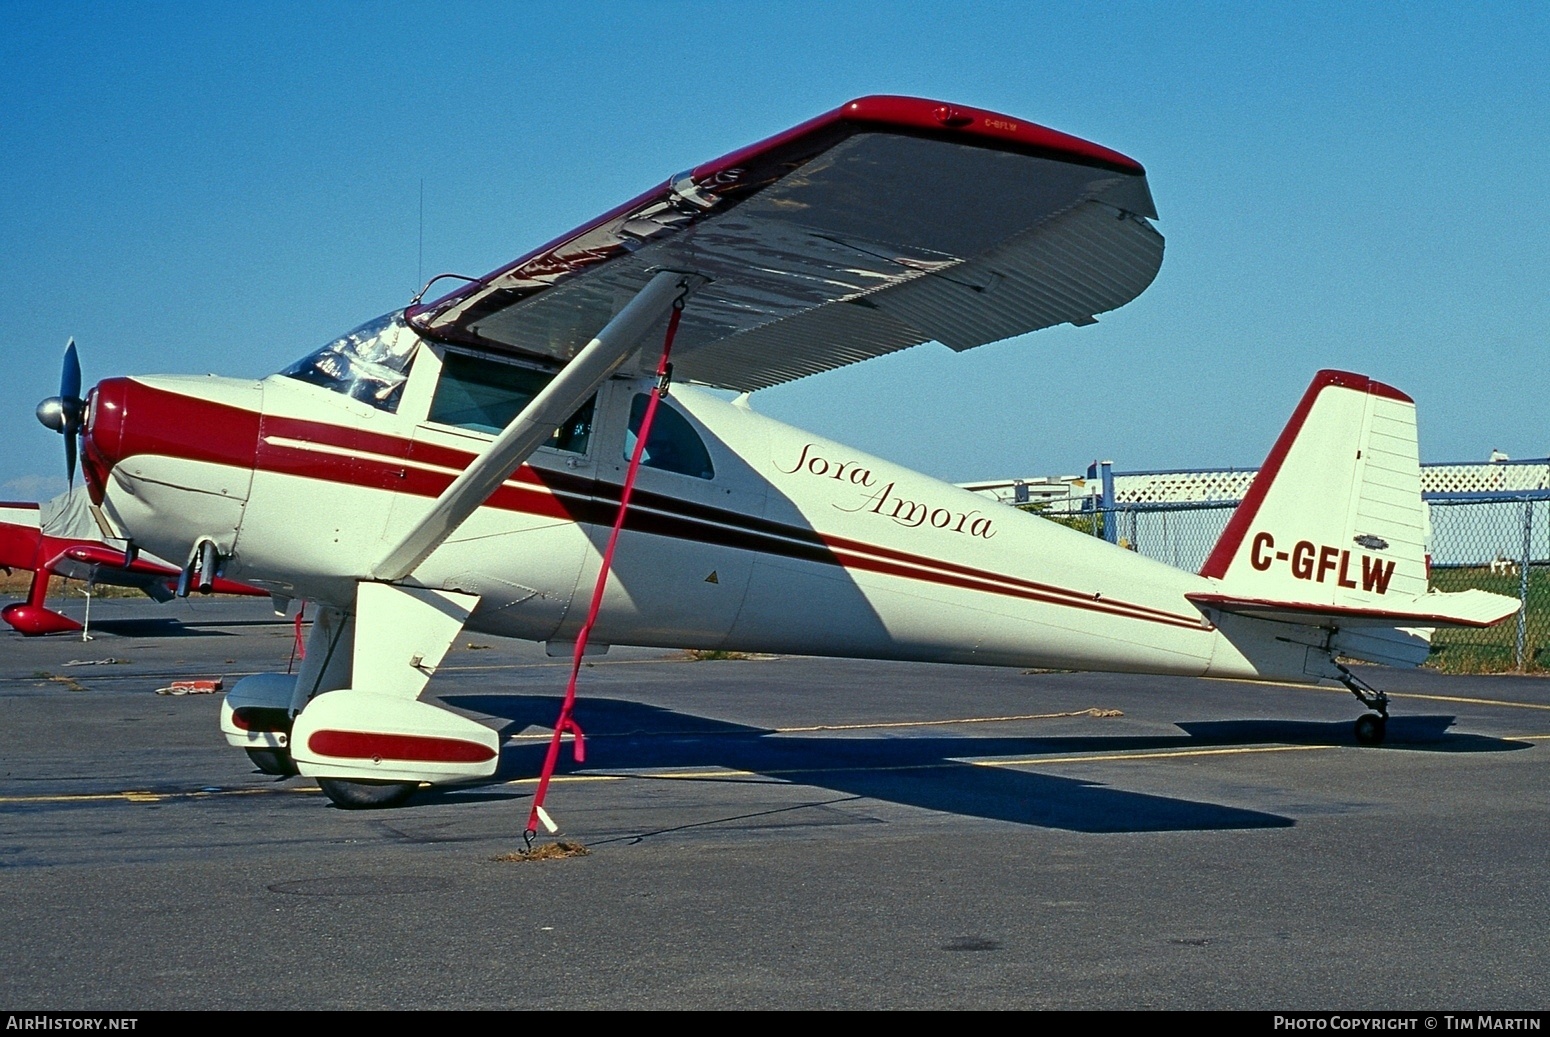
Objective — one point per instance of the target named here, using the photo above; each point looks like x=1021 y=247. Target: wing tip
x=922 y=113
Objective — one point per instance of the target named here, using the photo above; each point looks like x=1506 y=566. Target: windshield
x=369 y=364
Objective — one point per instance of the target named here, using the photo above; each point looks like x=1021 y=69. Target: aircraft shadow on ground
x=1430 y=734
x=170 y=626
x=157 y=628
x=928 y=771
x=924 y=771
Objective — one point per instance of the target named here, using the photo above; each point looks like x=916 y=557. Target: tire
x=366 y=795
x=1370 y=729
x=273 y=761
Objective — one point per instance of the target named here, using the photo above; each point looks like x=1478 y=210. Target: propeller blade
x=70 y=375
x=71 y=409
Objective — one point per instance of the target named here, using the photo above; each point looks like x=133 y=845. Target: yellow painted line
x=1451 y=698
x=722 y=774
x=1163 y=755
x=1470 y=701
x=1094 y=712
x=145 y=796
x=571 y=779
x=1393 y=694
x=879 y=725
x=561 y=663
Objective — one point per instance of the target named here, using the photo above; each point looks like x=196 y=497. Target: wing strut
x=567 y=722
x=536 y=422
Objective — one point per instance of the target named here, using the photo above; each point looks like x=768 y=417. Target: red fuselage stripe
x=339 y=454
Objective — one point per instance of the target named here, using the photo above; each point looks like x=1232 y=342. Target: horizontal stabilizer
x=1471 y=608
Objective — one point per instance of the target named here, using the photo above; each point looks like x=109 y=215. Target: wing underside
x=884 y=224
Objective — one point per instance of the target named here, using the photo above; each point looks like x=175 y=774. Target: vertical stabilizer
x=1334 y=517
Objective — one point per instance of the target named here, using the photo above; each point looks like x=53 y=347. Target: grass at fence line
x=1494 y=649
x=17 y=584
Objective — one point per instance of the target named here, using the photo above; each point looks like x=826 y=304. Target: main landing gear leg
x=1370 y=727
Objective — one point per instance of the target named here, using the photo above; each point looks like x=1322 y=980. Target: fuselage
x=744 y=533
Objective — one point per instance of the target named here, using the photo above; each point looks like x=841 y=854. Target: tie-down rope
x=567 y=722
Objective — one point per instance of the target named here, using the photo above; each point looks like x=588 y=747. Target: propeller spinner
x=64 y=413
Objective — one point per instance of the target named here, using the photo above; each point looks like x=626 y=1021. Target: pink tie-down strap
x=567 y=722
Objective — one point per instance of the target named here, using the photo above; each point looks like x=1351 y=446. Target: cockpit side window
x=369 y=364
x=673 y=446
x=483 y=394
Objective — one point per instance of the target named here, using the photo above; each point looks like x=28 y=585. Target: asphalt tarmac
x=774 y=833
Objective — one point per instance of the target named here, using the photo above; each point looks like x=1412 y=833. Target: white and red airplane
x=461 y=463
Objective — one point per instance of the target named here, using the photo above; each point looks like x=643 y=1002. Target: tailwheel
x=366 y=795
x=273 y=761
x=1370 y=728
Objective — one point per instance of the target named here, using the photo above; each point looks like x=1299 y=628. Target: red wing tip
x=924 y=113
x=1359 y=382
x=19 y=505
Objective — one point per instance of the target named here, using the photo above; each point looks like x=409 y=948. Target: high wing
x=885 y=223
x=888 y=222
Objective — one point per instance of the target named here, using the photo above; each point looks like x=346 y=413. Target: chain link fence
x=1502 y=546
x=1494 y=542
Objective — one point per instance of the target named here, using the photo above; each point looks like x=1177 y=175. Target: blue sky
x=193 y=188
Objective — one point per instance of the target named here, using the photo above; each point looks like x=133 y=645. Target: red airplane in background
x=60 y=538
